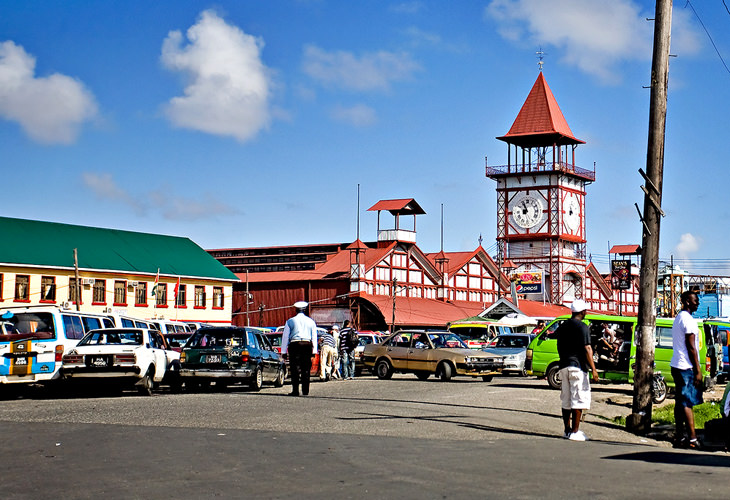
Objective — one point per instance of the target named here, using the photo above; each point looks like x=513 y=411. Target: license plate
x=213 y=358
x=99 y=362
x=21 y=361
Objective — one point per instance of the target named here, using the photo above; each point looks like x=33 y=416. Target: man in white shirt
x=686 y=371
x=299 y=344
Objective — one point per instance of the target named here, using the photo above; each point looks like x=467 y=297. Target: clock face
x=572 y=214
x=527 y=212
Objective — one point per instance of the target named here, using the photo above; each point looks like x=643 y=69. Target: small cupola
x=398 y=208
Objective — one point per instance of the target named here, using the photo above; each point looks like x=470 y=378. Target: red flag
x=177 y=287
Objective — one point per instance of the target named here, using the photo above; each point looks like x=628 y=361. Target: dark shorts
x=685 y=392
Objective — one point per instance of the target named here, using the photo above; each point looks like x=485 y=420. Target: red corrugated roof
x=626 y=249
x=540 y=115
x=411 y=311
x=401 y=206
x=537 y=309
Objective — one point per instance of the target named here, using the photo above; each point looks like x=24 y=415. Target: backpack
x=352 y=339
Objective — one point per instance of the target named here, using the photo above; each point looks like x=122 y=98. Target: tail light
x=74 y=359
x=59 y=353
x=244 y=356
x=124 y=358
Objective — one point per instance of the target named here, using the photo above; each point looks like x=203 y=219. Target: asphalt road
x=365 y=438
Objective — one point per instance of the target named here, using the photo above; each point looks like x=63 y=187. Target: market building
x=147 y=276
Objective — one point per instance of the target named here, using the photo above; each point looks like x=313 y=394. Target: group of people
x=576 y=362
x=299 y=344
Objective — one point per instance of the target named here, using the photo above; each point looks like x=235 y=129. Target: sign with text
x=528 y=282
x=620 y=274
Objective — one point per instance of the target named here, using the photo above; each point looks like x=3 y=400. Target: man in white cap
x=299 y=344
x=576 y=356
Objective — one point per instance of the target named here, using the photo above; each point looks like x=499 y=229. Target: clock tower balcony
x=495 y=172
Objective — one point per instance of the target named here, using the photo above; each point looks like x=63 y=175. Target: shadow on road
x=674 y=458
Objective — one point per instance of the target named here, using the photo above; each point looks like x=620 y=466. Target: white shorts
x=575 y=391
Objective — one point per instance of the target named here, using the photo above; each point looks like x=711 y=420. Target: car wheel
x=523 y=372
x=279 y=381
x=383 y=369
x=146 y=383
x=423 y=375
x=553 y=376
x=444 y=372
x=258 y=380
x=487 y=378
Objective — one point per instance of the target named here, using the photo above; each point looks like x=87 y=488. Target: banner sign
x=528 y=282
x=621 y=274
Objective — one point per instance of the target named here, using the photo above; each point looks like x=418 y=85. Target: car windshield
x=446 y=340
x=103 y=337
x=217 y=338
x=511 y=341
x=274 y=339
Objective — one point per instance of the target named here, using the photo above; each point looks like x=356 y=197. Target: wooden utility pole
x=640 y=419
x=247 y=299
x=77 y=285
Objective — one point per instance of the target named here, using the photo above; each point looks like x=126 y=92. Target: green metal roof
x=51 y=244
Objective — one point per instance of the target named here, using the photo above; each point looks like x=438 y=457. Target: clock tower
x=541 y=198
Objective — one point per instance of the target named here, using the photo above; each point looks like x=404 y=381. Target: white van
x=122 y=321
x=34 y=339
x=168 y=326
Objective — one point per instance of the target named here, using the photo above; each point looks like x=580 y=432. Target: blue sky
x=251 y=123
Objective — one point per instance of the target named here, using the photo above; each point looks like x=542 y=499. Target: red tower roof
x=540 y=121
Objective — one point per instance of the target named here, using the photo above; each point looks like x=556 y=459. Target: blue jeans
x=347 y=364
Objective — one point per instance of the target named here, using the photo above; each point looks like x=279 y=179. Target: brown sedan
x=424 y=353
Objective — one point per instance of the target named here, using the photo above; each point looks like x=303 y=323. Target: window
x=199 y=296
x=120 y=293
x=140 y=294
x=72 y=325
x=48 y=289
x=181 y=296
x=161 y=295
x=664 y=338
x=72 y=290
x=217 y=297
x=22 y=282
x=99 y=292
x=90 y=323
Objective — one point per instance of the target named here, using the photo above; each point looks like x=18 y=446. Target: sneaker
x=566 y=434
x=577 y=436
x=694 y=444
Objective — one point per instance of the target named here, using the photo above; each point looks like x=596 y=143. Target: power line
x=708 y=33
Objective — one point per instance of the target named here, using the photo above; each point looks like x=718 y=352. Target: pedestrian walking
x=327 y=355
x=576 y=356
x=348 y=342
x=336 y=358
x=299 y=344
x=685 y=366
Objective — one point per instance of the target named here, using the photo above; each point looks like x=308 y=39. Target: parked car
x=514 y=348
x=228 y=355
x=479 y=334
x=443 y=354
x=364 y=338
x=135 y=356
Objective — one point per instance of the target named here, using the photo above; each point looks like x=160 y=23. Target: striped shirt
x=328 y=340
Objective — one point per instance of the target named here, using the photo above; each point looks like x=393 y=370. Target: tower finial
x=540 y=57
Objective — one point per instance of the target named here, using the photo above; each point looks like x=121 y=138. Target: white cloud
x=50 y=109
x=359 y=115
x=687 y=245
x=229 y=87
x=371 y=71
x=594 y=35
x=170 y=205
x=104 y=188
x=407 y=7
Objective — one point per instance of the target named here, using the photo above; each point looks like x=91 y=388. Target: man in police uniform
x=299 y=344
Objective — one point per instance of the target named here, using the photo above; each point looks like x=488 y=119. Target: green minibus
x=614 y=358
